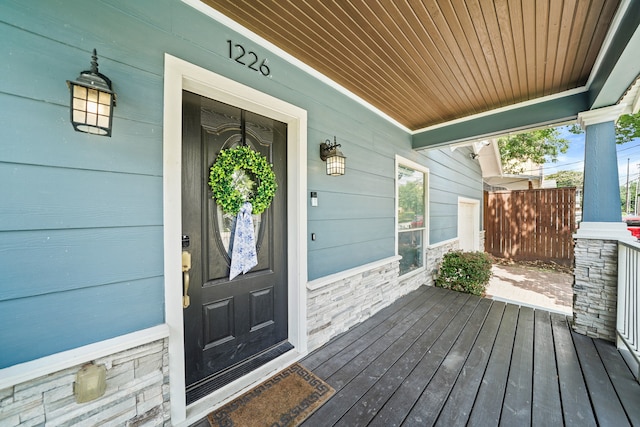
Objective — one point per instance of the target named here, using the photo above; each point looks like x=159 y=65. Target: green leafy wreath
x=232 y=186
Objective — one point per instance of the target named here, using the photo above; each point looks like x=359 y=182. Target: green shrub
x=467 y=272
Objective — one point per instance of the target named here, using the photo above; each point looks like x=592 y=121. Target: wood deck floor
x=437 y=357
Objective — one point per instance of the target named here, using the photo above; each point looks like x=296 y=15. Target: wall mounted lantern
x=92 y=101
x=335 y=159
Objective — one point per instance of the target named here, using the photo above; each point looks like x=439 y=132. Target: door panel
x=218 y=323
x=262 y=308
x=229 y=323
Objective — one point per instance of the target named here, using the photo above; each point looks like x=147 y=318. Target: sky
x=573 y=159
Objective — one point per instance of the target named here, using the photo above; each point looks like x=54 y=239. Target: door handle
x=186 y=266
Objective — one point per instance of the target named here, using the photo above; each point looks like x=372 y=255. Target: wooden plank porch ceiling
x=424 y=62
x=438 y=357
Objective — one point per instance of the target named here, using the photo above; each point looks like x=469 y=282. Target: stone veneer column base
x=595 y=278
x=137 y=394
x=595 y=288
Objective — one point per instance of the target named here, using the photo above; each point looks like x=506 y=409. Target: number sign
x=248 y=58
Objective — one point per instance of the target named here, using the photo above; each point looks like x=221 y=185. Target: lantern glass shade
x=91 y=110
x=334 y=159
x=335 y=163
x=92 y=102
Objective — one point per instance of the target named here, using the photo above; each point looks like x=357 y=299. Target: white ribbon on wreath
x=243 y=252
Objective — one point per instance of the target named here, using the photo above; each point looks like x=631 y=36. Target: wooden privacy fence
x=531 y=225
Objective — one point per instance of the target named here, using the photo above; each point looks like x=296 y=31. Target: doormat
x=286 y=399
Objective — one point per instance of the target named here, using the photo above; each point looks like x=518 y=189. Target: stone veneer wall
x=595 y=288
x=137 y=394
x=335 y=306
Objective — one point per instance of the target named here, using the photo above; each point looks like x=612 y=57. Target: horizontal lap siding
x=49 y=261
x=74 y=318
x=452 y=174
x=44 y=197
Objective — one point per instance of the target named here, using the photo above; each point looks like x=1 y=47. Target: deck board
x=546 y=410
x=470 y=361
x=371 y=348
x=624 y=384
x=374 y=361
x=608 y=410
x=457 y=408
x=516 y=408
x=390 y=370
x=384 y=316
x=434 y=321
x=575 y=400
x=488 y=405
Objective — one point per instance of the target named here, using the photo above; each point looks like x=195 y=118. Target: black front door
x=231 y=327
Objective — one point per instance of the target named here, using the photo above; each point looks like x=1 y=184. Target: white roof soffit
x=632 y=98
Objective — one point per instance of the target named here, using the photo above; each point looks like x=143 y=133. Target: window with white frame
x=411 y=215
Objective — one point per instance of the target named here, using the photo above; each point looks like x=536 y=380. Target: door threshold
x=215 y=382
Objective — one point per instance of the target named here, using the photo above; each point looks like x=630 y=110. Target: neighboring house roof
x=488 y=155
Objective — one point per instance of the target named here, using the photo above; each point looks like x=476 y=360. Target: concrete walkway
x=532 y=286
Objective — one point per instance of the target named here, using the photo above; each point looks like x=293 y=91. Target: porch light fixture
x=92 y=101
x=335 y=159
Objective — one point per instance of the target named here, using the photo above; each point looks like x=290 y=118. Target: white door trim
x=179 y=75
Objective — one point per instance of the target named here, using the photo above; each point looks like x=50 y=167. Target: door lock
x=186 y=266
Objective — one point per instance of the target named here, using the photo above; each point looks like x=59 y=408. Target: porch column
x=596 y=242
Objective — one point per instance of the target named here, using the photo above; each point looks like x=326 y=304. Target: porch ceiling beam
x=546 y=112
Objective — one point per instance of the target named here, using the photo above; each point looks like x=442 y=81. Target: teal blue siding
x=351 y=254
x=81 y=224
x=40 y=262
x=65 y=320
x=452 y=174
x=48 y=197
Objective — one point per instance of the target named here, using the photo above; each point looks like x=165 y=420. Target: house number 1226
x=248 y=59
